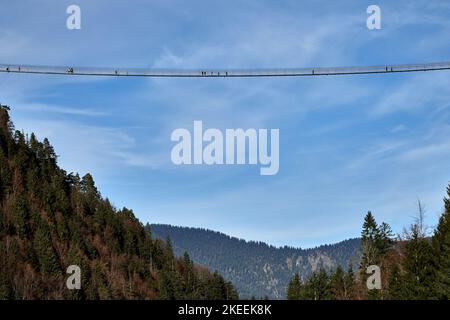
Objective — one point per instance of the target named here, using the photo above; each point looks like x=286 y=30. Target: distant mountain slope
x=255 y=268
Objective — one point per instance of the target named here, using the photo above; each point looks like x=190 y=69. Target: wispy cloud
x=87 y=148
x=39 y=107
x=426 y=152
x=428 y=91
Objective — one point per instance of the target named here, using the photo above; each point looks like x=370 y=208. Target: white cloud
x=429 y=151
x=414 y=94
x=39 y=107
x=84 y=148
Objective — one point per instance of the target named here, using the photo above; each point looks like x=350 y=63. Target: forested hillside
x=411 y=267
x=255 y=268
x=50 y=219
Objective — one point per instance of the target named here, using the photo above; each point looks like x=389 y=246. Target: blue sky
x=347 y=144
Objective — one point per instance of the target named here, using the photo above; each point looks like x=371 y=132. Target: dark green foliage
x=412 y=269
x=294 y=290
x=375 y=241
x=424 y=272
x=338 y=284
x=349 y=282
x=441 y=253
x=396 y=284
x=20 y=216
x=218 y=287
x=50 y=220
x=384 y=238
x=418 y=271
x=245 y=263
x=321 y=285
x=318 y=286
x=5 y=285
x=43 y=246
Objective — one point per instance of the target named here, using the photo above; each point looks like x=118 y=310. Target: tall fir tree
x=45 y=252
x=338 y=285
x=441 y=252
x=375 y=243
x=396 y=286
x=369 y=238
x=294 y=288
x=418 y=273
x=349 y=282
x=317 y=287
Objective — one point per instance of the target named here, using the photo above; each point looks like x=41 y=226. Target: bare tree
x=419 y=226
x=419 y=220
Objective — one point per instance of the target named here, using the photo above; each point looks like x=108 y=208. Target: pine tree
x=5 y=287
x=189 y=277
x=219 y=289
x=91 y=195
x=317 y=287
x=100 y=281
x=369 y=236
x=5 y=175
x=396 y=285
x=376 y=241
x=441 y=252
x=349 y=282
x=338 y=284
x=170 y=285
x=418 y=270
x=2 y=224
x=384 y=238
x=45 y=252
x=20 y=216
x=294 y=288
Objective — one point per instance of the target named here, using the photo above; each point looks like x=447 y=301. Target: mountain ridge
x=256 y=269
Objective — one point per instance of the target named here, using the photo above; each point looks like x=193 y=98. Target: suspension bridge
x=232 y=73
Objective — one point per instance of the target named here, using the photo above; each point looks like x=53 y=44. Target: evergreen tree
x=338 y=284
x=317 y=287
x=20 y=216
x=349 y=282
x=384 y=238
x=220 y=289
x=418 y=269
x=91 y=194
x=294 y=288
x=396 y=284
x=45 y=252
x=5 y=287
x=441 y=252
x=375 y=243
x=189 y=277
x=369 y=237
